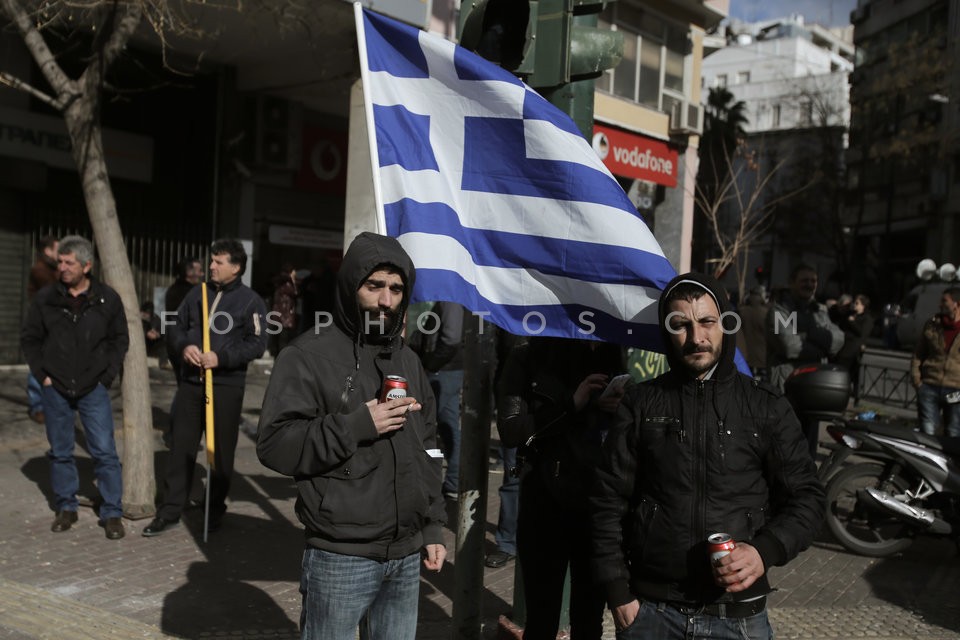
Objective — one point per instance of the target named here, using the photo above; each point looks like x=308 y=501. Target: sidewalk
x=243 y=583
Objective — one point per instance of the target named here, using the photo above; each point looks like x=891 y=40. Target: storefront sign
x=32 y=136
x=305 y=237
x=633 y=156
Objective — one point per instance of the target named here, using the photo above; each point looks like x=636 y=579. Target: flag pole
x=368 y=111
x=208 y=406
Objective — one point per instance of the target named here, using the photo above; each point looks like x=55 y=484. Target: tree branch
x=20 y=85
x=63 y=86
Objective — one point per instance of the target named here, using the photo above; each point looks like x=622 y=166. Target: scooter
x=901 y=483
x=910 y=486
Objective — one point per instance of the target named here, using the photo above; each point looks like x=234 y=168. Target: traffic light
x=548 y=43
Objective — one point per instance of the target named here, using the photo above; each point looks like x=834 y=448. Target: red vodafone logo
x=634 y=156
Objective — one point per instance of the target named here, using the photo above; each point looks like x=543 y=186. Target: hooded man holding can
x=700 y=450
x=368 y=472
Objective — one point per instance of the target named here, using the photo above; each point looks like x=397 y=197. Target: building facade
x=793 y=81
x=903 y=181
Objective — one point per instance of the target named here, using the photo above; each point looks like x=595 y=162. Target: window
x=806 y=113
x=649 y=74
x=743 y=77
x=776 y=115
x=625 y=74
x=721 y=81
x=656 y=57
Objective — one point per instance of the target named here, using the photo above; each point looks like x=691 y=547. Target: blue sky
x=831 y=13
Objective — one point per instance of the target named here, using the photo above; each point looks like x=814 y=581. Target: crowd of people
x=617 y=484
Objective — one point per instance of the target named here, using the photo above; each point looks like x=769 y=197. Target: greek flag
x=498 y=199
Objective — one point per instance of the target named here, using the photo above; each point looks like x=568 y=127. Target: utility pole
x=556 y=48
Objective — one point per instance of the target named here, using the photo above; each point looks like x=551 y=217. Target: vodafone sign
x=638 y=157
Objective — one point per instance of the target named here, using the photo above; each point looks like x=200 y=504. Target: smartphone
x=615 y=385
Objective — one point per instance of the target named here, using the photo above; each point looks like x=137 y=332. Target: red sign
x=638 y=157
x=323 y=167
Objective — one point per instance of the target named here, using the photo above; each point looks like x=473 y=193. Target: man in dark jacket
x=700 y=450
x=42 y=273
x=237 y=337
x=367 y=472
x=189 y=275
x=74 y=338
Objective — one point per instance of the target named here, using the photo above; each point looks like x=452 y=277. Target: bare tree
x=739 y=207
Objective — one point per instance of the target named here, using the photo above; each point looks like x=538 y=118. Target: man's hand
x=391 y=415
x=435 y=555
x=593 y=382
x=47 y=381
x=740 y=569
x=611 y=401
x=209 y=360
x=625 y=614
x=193 y=355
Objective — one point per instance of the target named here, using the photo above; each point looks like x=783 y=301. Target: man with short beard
x=367 y=472
x=237 y=338
x=702 y=449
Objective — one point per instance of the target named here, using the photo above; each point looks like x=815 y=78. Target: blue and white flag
x=498 y=199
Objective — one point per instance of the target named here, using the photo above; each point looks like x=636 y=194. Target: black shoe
x=113 y=528
x=498 y=559
x=158 y=526
x=63 y=521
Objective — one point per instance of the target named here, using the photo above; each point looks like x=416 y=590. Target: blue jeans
x=34 y=394
x=506 y=534
x=97 y=419
x=341 y=593
x=446 y=387
x=931 y=400
x=658 y=621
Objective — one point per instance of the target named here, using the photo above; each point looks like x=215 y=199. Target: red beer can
x=719 y=545
x=393 y=387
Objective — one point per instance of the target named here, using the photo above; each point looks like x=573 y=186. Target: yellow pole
x=207 y=379
x=208 y=404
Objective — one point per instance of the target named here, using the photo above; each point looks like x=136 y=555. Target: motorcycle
x=908 y=485
x=885 y=482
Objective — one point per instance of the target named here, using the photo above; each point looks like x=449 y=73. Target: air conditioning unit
x=686 y=117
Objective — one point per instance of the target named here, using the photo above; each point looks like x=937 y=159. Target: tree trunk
x=139 y=486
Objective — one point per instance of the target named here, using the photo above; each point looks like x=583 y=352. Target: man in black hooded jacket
x=367 y=473
x=702 y=449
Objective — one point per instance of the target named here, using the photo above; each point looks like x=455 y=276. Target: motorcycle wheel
x=859 y=528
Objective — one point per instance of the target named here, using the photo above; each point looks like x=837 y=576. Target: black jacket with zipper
x=237 y=331
x=76 y=349
x=689 y=458
x=360 y=493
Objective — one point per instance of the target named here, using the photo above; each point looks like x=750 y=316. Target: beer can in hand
x=719 y=545
x=393 y=387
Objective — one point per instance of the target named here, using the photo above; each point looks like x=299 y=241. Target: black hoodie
x=689 y=458
x=359 y=493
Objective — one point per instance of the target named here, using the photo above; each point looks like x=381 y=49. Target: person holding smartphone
x=552 y=405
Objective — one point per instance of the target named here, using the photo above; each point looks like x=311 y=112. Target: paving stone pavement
x=243 y=583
